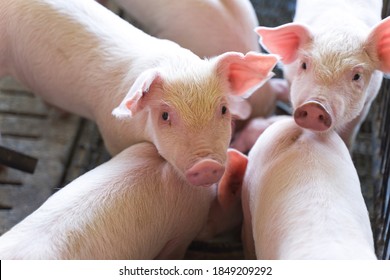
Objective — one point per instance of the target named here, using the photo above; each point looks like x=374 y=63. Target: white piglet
x=134 y=206
x=83 y=58
x=302 y=198
x=334 y=55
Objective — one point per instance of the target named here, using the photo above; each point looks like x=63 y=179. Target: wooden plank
x=10 y=177
x=19 y=126
x=24 y=105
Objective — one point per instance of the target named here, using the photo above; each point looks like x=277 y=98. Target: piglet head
x=187 y=114
x=287 y=41
x=332 y=74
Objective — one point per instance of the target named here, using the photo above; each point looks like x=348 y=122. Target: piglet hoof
x=205 y=172
x=313 y=115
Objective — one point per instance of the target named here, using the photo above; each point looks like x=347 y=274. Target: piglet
x=302 y=198
x=81 y=57
x=334 y=55
x=134 y=206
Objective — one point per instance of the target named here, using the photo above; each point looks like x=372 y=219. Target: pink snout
x=205 y=172
x=313 y=115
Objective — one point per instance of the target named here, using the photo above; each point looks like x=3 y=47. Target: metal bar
x=17 y=160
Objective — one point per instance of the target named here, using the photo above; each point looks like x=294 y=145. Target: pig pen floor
x=67 y=146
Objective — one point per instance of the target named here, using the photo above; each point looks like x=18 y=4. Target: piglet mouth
x=205 y=172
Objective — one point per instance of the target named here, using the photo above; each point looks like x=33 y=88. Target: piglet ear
x=378 y=44
x=239 y=107
x=131 y=104
x=225 y=212
x=246 y=73
x=229 y=188
x=284 y=40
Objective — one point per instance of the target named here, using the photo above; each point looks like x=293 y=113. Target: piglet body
x=134 y=206
x=83 y=58
x=302 y=198
x=226 y=25
x=335 y=53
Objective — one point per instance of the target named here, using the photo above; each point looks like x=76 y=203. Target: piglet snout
x=313 y=115
x=205 y=172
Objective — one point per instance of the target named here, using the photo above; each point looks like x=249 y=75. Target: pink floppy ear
x=239 y=107
x=284 y=40
x=245 y=73
x=226 y=211
x=378 y=43
x=130 y=105
x=229 y=188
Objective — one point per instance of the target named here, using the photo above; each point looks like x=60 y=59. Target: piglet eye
x=356 y=77
x=165 y=116
x=304 y=66
x=224 y=110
